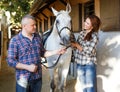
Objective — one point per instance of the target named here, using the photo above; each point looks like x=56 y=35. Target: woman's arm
x=76 y=45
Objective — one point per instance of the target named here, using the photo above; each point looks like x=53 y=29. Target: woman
x=85 y=55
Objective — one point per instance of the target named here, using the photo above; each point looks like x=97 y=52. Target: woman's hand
x=74 y=44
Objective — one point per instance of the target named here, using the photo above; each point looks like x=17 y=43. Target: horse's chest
x=53 y=43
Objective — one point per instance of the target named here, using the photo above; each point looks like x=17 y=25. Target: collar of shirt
x=22 y=36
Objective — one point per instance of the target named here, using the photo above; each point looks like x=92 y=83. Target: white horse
x=59 y=38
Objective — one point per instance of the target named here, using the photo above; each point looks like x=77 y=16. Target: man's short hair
x=27 y=17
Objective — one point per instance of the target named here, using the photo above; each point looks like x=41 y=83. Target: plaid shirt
x=88 y=52
x=22 y=50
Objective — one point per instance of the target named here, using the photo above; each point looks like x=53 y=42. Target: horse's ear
x=55 y=12
x=68 y=8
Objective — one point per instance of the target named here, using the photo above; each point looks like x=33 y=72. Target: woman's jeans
x=87 y=77
x=33 y=86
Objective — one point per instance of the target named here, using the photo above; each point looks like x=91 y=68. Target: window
x=89 y=8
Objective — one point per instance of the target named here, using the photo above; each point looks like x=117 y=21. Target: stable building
x=108 y=55
x=109 y=35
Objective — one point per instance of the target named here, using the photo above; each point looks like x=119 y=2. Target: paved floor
x=7 y=80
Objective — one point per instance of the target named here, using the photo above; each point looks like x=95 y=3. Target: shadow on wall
x=108 y=56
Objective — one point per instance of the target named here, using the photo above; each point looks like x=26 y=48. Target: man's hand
x=32 y=68
x=62 y=51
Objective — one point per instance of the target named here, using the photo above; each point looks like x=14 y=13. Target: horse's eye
x=57 y=21
x=71 y=22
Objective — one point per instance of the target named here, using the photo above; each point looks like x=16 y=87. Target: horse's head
x=63 y=24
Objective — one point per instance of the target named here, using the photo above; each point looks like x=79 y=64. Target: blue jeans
x=87 y=76
x=33 y=86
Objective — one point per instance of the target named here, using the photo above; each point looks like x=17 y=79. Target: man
x=25 y=50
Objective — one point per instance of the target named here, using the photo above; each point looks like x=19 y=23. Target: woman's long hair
x=95 y=21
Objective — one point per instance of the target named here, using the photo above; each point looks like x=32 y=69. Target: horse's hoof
x=52 y=85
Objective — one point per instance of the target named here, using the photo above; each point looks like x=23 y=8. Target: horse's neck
x=54 y=38
x=54 y=32
x=53 y=42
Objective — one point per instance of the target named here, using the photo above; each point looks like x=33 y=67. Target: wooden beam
x=4 y=41
x=62 y=1
x=36 y=6
x=49 y=9
x=97 y=7
x=44 y=15
x=38 y=18
x=47 y=4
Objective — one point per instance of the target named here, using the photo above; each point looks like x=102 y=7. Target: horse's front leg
x=63 y=75
x=52 y=86
x=52 y=82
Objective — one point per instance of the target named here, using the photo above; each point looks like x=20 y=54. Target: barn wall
x=110 y=15
x=76 y=15
x=108 y=55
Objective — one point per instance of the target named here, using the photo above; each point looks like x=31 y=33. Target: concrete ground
x=7 y=80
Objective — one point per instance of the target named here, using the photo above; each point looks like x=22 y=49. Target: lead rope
x=49 y=67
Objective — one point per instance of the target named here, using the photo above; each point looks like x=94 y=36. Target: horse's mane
x=46 y=35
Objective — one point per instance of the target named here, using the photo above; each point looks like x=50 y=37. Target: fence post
x=4 y=38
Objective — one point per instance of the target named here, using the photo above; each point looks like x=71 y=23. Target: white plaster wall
x=108 y=56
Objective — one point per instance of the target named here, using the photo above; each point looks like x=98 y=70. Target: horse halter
x=59 y=31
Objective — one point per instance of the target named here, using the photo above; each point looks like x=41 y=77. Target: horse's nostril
x=66 y=40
